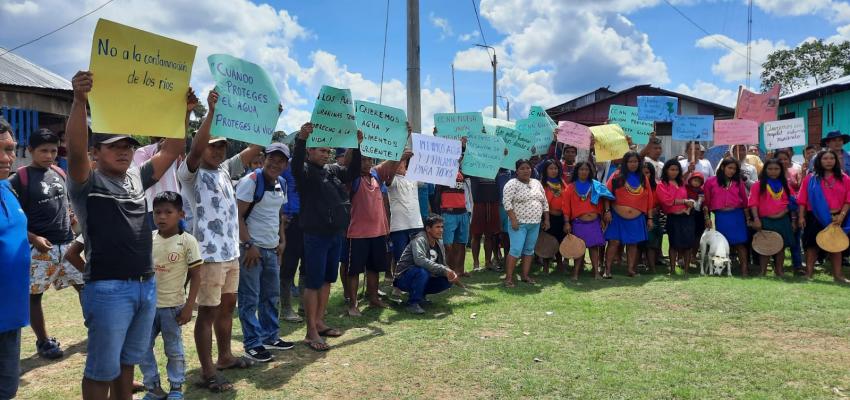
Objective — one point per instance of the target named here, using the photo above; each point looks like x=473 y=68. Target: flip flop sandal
x=241 y=363
x=330 y=332
x=316 y=346
x=216 y=384
x=510 y=284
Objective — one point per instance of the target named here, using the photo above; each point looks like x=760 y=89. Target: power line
x=481 y=31
x=709 y=34
x=384 y=58
x=57 y=29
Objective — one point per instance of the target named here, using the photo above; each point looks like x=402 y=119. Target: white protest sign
x=435 y=160
x=784 y=133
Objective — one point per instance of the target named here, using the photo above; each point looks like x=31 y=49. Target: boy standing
x=43 y=195
x=175 y=255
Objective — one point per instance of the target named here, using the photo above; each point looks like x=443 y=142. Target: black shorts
x=810 y=232
x=369 y=254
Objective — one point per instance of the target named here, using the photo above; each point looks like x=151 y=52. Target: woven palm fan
x=767 y=243
x=546 y=245
x=572 y=247
x=832 y=239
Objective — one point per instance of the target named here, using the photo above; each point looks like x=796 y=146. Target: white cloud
x=442 y=24
x=732 y=66
x=25 y=7
x=468 y=37
x=709 y=91
x=842 y=34
x=473 y=59
x=836 y=11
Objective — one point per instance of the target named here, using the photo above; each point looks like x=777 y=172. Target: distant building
x=31 y=97
x=825 y=108
x=592 y=109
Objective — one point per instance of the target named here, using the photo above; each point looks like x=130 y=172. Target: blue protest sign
x=693 y=127
x=657 y=108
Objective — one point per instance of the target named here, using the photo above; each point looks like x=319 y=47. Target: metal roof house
x=31 y=97
x=825 y=108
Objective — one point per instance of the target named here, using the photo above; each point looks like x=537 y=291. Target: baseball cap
x=277 y=148
x=43 y=136
x=106 y=138
x=216 y=139
x=340 y=151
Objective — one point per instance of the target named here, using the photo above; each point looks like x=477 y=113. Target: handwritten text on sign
x=736 y=131
x=758 y=107
x=458 y=125
x=539 y=131
x=435 y=160
x=610 y=142
x=384 y=130
x=657 y=108
x=483 y=156
x=627 y=117
x=333 y=119
x=784 y=133
x=518 y=144
x=574 y=134
x=693 y=127
x=138 y=75
x=247 y=108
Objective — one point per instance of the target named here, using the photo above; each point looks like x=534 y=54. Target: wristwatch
x=246 y=245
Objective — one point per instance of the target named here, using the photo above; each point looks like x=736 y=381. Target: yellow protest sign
x=140 y=81
x=609 y=142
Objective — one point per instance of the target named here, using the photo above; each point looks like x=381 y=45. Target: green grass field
x=650 y=337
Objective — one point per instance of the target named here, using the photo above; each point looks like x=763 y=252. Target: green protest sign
x=483 y=156
x=539 y=131
x=384 y=130
x=248 y=104
x=458 y=125
x=518 y=145
x=490 y=124
x=333 y=119
x=627 y=118
x=540 y=112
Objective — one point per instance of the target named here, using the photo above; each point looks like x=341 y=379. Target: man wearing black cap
x=260 y=195
x=119 y=298
x=44 y=198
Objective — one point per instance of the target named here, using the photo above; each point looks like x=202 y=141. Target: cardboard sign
x=657 y=108
x=458 y=125
x=518 y=144
x=435 y=160
x=490 y=124
x=247 y=108
x=384 y=130
x=736 y=131
x=573 y=134
x=785 y=133
x=758 y=107
x=539 y=131
x=693 y=127
x=483 y=156
x=627 y=117
x=333 y=119
x=140 y=82
x=610 y=142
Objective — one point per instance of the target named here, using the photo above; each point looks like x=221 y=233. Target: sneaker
x=291 y=316
x=259 y=354
x=155 y=393
x=49 y=349
x=425 y=302
x=279 y=345
x=175 y=394
x=415 y=309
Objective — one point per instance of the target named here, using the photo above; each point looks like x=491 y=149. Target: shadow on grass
x=34 y=362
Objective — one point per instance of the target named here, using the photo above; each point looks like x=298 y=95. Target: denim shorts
x=455 y=228
x=523 y=240
x=119 y=315
x=321 y=259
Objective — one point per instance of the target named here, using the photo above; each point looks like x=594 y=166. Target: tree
x=813 y=62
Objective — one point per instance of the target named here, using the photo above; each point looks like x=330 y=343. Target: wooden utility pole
x=414 y=96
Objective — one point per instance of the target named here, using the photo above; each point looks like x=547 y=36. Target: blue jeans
x=10 y=365
x=119 y=315
x=523 y=240
x=321 y=259
x=259 y=294
x=165 y=322
x=418 y=283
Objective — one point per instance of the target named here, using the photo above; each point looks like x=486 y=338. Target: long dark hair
x=543 y=169
x=624 y=170
x=721 y=174
x=578 y=166
x=763 y=176
x=651 y=178
x=667 y=165
x=819 y=170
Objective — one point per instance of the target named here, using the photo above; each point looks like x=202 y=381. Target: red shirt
x=722 y=198
x=641 y=199
x=667 y=193
x=556 y=202
x=836 y=193
x=575 y=206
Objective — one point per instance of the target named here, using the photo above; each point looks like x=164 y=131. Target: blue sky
x=549 y=51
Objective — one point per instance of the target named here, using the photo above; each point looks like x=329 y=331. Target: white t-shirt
x=211 y=199
x=703 y=166
x=264 y=220
x=168 y=180
x=404 y=204
x=659 y=166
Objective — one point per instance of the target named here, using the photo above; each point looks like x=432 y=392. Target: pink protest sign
x=574 y=134
x=736 y=131
x=758 y=107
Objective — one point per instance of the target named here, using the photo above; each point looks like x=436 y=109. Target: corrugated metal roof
x=844 y=80
x=18 y=71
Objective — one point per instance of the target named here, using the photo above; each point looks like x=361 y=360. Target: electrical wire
x=56 y=30
x=384 y=58
x=705 y=31
x=481 y=31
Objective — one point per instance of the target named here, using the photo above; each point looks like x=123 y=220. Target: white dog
x=714 y=248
